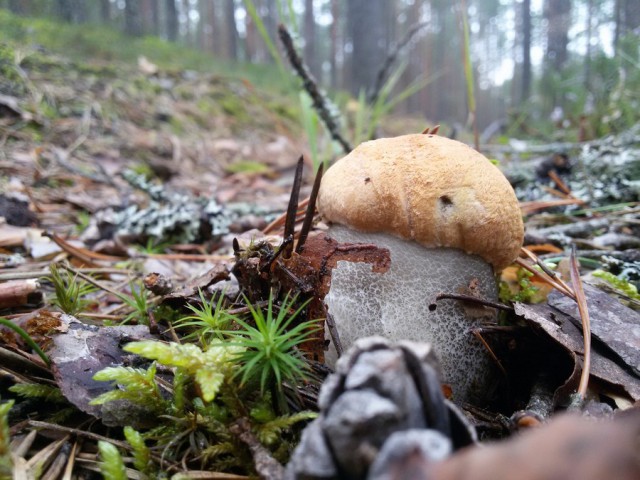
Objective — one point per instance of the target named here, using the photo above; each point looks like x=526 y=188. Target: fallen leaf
x=562 y=329
x=83 y=350
x=617 y=326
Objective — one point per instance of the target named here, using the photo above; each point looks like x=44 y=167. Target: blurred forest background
x=541 y=68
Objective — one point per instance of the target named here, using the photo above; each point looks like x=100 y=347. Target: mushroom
x=450 y=220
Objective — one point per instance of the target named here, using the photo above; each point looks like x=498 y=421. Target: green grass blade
x=25 y=336
x=273 y=51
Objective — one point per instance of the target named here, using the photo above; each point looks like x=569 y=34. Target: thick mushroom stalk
x=449 y=219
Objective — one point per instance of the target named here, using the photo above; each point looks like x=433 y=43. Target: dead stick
x=89 y=279
x=292 y=210
x=472 y=299
x=267 y=467
x=19 y=292
x=311 y=209
x=319 y=102
x=586 y=322
x=384 y=70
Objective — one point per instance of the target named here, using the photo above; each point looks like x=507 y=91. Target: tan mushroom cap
x=432 y=190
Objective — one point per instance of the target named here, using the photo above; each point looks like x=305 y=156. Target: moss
x=176 y=125
x=207 y=106
x=48 y=110
x=11 y=83
x=34 y=131
x=290 y=111
x=618 y=283
x=234 y=106
x=247 y=167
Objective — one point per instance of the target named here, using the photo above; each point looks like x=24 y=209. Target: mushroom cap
x=429 y=189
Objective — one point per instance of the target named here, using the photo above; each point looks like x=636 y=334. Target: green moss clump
x=618 y=283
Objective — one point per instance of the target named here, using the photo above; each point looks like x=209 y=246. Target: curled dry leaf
x=563 y=329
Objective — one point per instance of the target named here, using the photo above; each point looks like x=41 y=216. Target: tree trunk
x=270 y=22
x=333 y=55
x=105 y=11
x=631 y=15
x=250 y=44
x=81 y=13
x=172 y=20
x=309 y=35
x=526 y=50
x=587 y=59
x=367 y=32
x=65 y=10
x=558 y=15
x=206 y=25
x=627 y=19
x=132 y=18
x=418 y=60
x=17 y=7
x=232 y=30
x=147 y=17
x=188 y=36
x=617 y=18
x=155 y=17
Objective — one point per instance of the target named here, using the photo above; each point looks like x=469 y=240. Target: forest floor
x=111 y=173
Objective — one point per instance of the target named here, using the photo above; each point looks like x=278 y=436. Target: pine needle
x=586 y=322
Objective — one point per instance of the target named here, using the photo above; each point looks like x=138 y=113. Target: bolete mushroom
x=450 y=221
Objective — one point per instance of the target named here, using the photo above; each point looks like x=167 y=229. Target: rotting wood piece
x=20 y=292
x=307 y=273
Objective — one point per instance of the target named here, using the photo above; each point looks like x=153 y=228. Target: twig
x=556 y=193
x=546 y=278
x=80 y=253
x=71 y=462
x=99 y=316
x=16 y=293
x=382 y=73
x=93 y=436
x=311 y=209
x=88 y=279
x=548 y=271
x=187 y=257
x=23 y=362
x=292 y=209
x=286 y=243
x=530 y=207
x=558 y=181
x=587 y=254
x=309 y=84
x=267 y=467
x=478 y=335
x=586 y=322
x=472 y=299
x=333 y=332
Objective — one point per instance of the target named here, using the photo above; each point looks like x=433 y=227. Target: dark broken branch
x=311 y=208
x=384 y=70
x=471 y=299
x=292 y=209
x=267 y=467
x=309 y=84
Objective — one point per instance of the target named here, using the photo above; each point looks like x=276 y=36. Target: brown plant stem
x=309 y=84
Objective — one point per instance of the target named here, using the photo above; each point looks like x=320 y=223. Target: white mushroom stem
x=395 y=304
x=449 y=217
